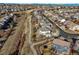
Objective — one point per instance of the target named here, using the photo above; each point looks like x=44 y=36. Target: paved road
x=64 y=33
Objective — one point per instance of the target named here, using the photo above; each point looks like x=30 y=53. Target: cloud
x=39 y=1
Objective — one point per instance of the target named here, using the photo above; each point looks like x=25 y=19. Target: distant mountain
x=58 y=4
x=35 y=4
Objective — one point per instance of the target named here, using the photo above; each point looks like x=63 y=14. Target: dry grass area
x=14 y=41
x=26 y=48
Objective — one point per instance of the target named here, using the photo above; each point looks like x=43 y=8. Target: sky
x=40 y=1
